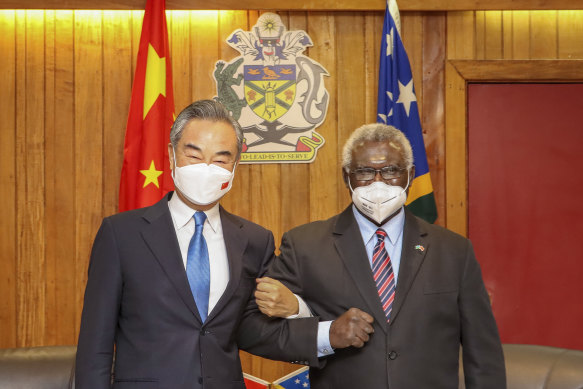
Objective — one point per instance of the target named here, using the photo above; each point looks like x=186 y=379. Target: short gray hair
x=205 y=110
x=376 y=132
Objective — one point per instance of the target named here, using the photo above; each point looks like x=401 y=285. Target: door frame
x=458 y=74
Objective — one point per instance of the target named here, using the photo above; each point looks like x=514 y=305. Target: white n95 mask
x=378 y=200
x=202 y=184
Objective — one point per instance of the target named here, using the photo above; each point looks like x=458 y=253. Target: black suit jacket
x=440 y=303
x=138 y=298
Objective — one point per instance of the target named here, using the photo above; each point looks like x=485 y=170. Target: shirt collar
x=182 y=213
x=393 y=227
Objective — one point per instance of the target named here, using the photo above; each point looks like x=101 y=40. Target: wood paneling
x=292 y=180
x=117 y=87
x=543 y=34
x=349 y=77
x=432 y=112
x=30 y=168
x=238 y=200
x=306 y=5
x=520 y=70
x=60 y=190
x=455 y=146
x=8 y=240
x=65 y=92
x=325 y=171
x=88 y=135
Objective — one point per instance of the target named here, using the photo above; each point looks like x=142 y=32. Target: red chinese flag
x=145 y=175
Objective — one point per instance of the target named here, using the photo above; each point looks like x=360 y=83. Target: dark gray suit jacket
x=440 y=303
x=139 y=299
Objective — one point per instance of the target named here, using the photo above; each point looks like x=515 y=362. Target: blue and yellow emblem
x=275 y=92
x=270 y=90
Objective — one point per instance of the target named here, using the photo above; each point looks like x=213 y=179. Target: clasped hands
x=352 y=328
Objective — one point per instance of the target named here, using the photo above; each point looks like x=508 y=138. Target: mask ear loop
x=408 y=181
x=349 y=186
x=174 y=159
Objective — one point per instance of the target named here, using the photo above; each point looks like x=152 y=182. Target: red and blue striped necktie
x=382 y=272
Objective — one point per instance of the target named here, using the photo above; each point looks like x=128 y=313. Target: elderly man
x=168 y=284
x=421 y=283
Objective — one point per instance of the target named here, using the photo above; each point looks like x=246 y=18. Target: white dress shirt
x=182 y=217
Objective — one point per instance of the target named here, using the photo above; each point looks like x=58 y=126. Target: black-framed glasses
x=387 y=173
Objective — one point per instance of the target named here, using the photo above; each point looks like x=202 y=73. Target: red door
x=525 y=147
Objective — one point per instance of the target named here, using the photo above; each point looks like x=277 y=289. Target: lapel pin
x=420 y=248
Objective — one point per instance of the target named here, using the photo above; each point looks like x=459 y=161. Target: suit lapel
x=236 y=243
x=351 y=249
x=160 y=236
x=415 y=246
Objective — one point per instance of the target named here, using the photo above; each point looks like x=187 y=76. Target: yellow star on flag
x=151 y=175
x=155 y=79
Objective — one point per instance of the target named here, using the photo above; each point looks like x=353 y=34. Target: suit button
x=393 y=355
x=200 y=380
x=202 y=333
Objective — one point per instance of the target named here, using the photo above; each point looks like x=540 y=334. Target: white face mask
x=202 y=184
x=378 y=200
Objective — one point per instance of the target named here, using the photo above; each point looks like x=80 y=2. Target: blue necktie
x=198 y=268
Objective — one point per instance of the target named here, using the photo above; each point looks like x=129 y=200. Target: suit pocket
x=135 y=383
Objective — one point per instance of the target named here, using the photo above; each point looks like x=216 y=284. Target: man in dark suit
x=420 y=282
x=168 y=284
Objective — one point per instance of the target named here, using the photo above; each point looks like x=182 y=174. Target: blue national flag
x=397 y=106
x=299 y=379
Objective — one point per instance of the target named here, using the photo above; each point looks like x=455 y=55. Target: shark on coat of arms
x=274 y=91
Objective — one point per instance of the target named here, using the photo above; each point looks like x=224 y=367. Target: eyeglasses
x=387 y=173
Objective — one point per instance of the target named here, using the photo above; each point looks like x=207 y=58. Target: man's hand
x=275 y=299
x=351 y=329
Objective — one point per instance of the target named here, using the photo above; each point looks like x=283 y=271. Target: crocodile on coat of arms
x=225 y=81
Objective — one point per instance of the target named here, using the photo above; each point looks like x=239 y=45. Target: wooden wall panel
x=543 y=34
x=570 y=34
x=521 y=35
x=88 y=136
x=50 y=184
x=371 y=66
x=412 y=36
x=311 y=5
x=461 y=35
x=204 y=49
x=455 y=146
x=117 y=87
x=179 y=28
x=292 y=180
x=493 y=44
x=325 y=175
x=60 y=188
x=238 y=200
x=64 y=97
x=349 y=77
x=8 y=239
x=30 y=183
x=432 y=111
